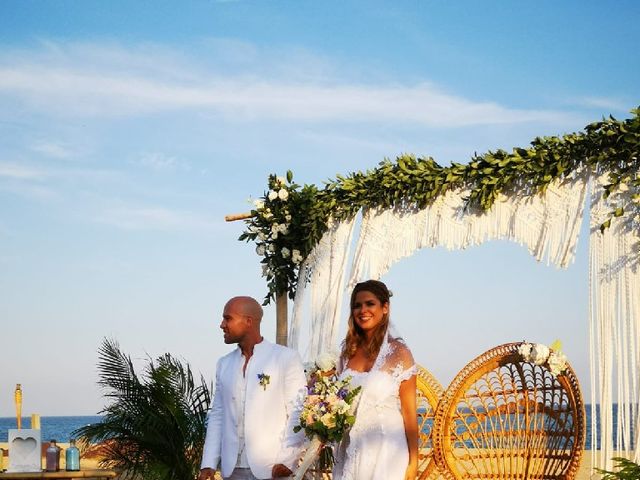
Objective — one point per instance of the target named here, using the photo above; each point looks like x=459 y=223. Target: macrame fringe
x=325 y=270
x=548 y=225
x=614 y=331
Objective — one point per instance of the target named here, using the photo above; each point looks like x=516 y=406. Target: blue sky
x=129 y=129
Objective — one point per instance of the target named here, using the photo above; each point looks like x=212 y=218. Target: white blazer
x=270 y=412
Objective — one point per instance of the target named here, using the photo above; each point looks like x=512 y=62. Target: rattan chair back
x=429 y=392
x=504 y=418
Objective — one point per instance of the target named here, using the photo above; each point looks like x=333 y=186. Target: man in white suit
x=250 y=424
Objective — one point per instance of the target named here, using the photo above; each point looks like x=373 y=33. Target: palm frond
x=154 y=425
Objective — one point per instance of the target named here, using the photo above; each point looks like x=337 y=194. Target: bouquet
x=327 y=412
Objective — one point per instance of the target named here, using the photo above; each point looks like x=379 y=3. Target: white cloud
x=70 y=81
x=154 y=218
x=53 y=150
x=20 y=172
x=162 y=163
x=612 y=104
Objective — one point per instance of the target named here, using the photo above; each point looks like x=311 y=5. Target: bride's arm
x=410 y=418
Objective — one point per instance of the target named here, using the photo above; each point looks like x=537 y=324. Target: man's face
x=234 y=323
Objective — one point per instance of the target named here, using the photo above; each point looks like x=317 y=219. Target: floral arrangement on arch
x=327 y=412
x=540 y=354
x=277 y=226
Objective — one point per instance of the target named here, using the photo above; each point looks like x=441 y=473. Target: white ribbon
x=310 y=456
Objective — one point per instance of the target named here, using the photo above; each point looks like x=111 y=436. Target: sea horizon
x=61 y=427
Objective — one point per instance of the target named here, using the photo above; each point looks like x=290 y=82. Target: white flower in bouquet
x=539 y=353
x=328 y=420
x=283 y=194
x=326 y=362
x=557 y=363
x=272 y=195
x=265 y=270
x=260 y=250
x=525 y=351
x=262 y=236
x=281 y=180
x=287 y=217
x=296 y=257
x=271 y=248
x=258 y=203
x=285 y=252
x=274 y=235
x=284 y=229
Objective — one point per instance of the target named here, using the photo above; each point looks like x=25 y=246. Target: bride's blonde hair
x=355 y=335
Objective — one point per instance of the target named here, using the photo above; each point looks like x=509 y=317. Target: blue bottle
x=72 y=457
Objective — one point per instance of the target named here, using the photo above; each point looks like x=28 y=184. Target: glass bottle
x=52 y=457
x=72 y=457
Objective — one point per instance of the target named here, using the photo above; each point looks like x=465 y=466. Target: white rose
x=281 y=180
x=287 y=218
x=275 y=227
x=341 y=407
x=525 y=351
x=272 y=195
x=258 y=204
x=539 y=353
x=267 y=215
x=285 y=252
x=271 y=248
x=260 y=250
x=274 y=235
x=296 y=258
x=284 y=230
x=328 y=420
x=326 y=361
x=557 y=362
x=265 y=270
x=262 y=236
x=283 y=194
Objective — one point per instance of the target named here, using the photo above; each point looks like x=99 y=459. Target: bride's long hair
x=355 y=335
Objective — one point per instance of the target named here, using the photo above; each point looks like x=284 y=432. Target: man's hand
x=279 y=471
x=207 y=474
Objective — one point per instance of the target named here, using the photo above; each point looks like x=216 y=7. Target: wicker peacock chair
x=504 y=418
x=429 y=392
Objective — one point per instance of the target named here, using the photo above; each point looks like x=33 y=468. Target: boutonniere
x=264 y=379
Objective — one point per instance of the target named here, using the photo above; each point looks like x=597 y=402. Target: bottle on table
x=72 y=457
x=52 y=457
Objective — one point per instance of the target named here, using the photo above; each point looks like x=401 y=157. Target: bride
x=383 y=442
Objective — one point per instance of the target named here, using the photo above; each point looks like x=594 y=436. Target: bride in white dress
x=383 y=442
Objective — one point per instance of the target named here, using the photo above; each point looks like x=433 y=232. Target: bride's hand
x=412 y=471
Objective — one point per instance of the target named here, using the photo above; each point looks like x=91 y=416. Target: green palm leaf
x=154 y=424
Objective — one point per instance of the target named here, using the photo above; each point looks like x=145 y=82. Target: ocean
x=53 y=428
x=60 y=428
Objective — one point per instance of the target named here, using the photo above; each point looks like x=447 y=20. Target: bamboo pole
x=237 y=216
x=281 y=319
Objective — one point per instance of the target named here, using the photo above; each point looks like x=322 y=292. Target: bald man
x=249 y=430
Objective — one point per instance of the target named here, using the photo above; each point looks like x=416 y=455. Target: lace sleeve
x=399 y=361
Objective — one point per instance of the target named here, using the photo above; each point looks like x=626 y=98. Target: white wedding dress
x=376 y=446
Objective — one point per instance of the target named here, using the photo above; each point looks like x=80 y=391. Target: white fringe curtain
x=614 y=330
x=548 y=225
x=325 y=270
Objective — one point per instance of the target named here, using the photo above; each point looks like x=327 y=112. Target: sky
x=130 y=129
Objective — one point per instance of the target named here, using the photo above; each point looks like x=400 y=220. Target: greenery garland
x=289 y=219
